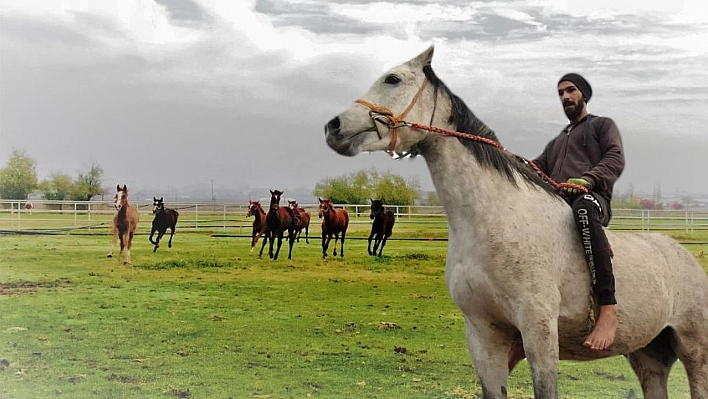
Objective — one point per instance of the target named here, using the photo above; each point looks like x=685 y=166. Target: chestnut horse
x=164 y=218
x=277 y=221
x=302 y=222
x=382 y=227
x=334 y=222
x=125 y=222
x=259 y=221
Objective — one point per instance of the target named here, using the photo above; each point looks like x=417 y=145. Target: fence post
x=196 y=216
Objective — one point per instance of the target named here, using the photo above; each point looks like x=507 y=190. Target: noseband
x=385 y=116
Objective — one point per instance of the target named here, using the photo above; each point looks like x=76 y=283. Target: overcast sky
x=174 y=93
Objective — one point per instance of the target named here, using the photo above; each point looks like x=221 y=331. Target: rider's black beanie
x=580 y=83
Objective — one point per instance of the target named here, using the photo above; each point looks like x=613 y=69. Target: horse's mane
x=487 y=155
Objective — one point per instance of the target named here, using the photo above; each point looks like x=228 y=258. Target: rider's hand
x=578 y=181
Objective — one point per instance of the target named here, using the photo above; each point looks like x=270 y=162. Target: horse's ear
x=426 y=57
x=154 y=199
x=320 y=199
x=161 y=199
x=117 y=187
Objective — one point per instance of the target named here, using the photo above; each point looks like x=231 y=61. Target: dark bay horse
x=278 y=220
x=125 y=222
x=515 y=266
x=334 y=222
x=259 y=221
x=302 y=222
x=382 y=227
x=164 y=218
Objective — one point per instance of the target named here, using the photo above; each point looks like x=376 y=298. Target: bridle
x=384 y=115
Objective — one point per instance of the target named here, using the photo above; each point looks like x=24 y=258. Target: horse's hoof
x=109 y=256
x=169 y=245
x=154 y=250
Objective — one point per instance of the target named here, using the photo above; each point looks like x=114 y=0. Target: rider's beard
x=573 y=112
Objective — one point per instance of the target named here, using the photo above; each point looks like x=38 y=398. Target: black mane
x=487 y=155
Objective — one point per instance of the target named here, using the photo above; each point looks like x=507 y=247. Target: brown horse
x=164 y=218
x=302 y=220
x=124 y=223
x=334 y=221
x=277 y=221
x=259 y=221
x=382 y=227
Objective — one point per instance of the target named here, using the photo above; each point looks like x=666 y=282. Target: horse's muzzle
x=333 y=126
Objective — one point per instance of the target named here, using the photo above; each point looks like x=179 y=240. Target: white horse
x=515 y=266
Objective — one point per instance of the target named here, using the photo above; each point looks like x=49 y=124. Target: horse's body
x=382 y=226
x=125 y=221
x=259 y=221
x=515 y=266
x=164 y=218
x=334 y=223
x=28 y=207
x=278 y=220
x=302 y=222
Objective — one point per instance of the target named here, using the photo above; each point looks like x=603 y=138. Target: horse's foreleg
x=152 y=232
x=291 y=236
x=539 y=332
x=371 y=237
x=271 y=241
x=114 y=238
x=488 y=347
x=266 y=235
x=383 y=244
x=290 y=250
x=128 y=246
x=160 y=234
x=325 y=243
x=307 y=239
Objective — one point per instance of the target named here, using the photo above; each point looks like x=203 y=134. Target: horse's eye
x=392 y=79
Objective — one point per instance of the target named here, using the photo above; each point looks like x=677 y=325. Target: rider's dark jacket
x=591 y=149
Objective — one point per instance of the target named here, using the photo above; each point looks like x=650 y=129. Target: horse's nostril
x=332 y=125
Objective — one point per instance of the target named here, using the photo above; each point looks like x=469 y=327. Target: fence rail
x=96 y=216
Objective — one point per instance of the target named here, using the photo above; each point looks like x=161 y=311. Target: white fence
x=231 y=217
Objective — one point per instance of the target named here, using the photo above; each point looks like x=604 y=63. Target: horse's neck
x=479 y=200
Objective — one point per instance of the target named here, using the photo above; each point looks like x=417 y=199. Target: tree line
x=18 y=179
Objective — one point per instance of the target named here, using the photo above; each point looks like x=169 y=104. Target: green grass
x=207 y=319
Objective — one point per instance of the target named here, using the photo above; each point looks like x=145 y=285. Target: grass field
x=208 y=319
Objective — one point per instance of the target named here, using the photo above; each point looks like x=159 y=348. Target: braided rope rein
x=494 y=143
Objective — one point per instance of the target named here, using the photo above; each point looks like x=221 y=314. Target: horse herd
x=293 y=219
x=269 y=225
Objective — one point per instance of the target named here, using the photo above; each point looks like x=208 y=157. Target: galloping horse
x=125 y=222
x=259 y=221
x=382 y=227
x=303 y=221
x=515 y=265
x=164 y=218
x=277 y=221
x=334 y=222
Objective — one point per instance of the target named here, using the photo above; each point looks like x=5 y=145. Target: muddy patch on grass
x=29 y=287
